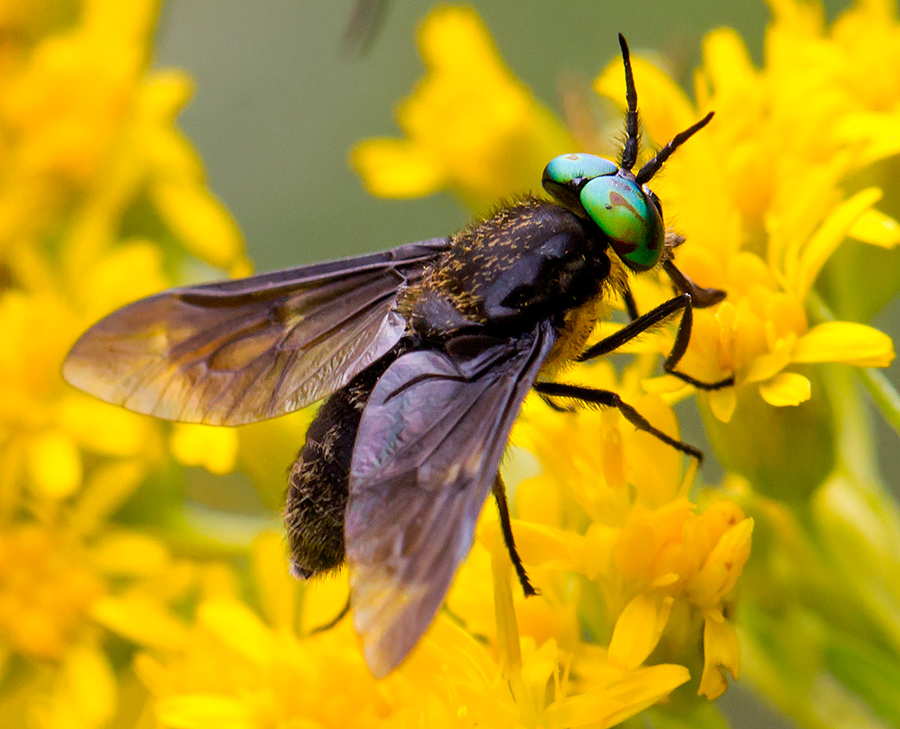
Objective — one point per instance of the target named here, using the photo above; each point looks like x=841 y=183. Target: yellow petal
x=510 y=658
x=129 y=554
x=788 y=388
x=829 y=235
x=723 y=566
x=847 y=342
x=239 y=628
x=90 y=683
x=324 y=599
x=396 y=168
x=721 y=652
x=200 y=222
x=638 y=629
x=54 y=464
x=617 y=699
x=876 y=228
x=104 y=428
x=202 y=445
x=142 y=621
x=722 y=403
x=768 y=365
x=276 y=587
x=203 y=711
x=106 y=489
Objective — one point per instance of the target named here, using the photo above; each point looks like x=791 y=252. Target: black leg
x=630 y=304
x=651 y=319
x=499 y=491
x=334 y=621
x=606 y=398
x=554 y=406
x=701 y=297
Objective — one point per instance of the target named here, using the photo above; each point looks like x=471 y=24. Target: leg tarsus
x=334 y=621
x=499 y=491
x=607 y=398
x=651 y=319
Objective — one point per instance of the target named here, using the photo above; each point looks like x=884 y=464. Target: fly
x=425 y=353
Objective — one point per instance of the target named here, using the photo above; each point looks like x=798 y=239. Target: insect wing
x=427 y=452
x=244 y=350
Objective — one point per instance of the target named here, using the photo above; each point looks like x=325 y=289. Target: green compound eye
x=566 y=175
x=628 y=218
x=569 y=168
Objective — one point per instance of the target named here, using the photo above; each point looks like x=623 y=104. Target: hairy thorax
x=530 y=262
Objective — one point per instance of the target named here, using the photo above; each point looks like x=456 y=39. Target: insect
x=425 y=353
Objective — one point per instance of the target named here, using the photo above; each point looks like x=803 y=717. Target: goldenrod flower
x=758 y=197
x=471 y=126
x=87 y=136
x=86 y=130
x=57 y=577
x=664 y=570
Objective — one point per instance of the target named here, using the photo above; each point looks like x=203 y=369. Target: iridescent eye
x=630 y=218
x=565 y=176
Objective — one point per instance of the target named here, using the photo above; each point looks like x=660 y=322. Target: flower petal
x=201 y=711
x=876 y=228
x=721 y=652
x=54 y=464
x=830 y=234
x=202 y=445
x=638 y=629
x=847 y=342
x=788 y=388
x=396 y=168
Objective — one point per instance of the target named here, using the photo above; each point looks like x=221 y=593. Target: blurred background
x=281 y=97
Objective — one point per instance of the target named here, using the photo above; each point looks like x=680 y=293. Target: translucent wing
x=427 y=452
x=249 y=349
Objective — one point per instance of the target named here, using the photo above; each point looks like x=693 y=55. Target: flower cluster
x=101 y=200
x=111 y=586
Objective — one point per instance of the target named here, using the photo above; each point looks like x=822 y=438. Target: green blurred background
x=280 y=101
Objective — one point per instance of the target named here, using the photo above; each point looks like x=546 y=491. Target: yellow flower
x=664 y=570
x=238 y=667
x=757 y=195
x=86 y=130
x=48 y=430
x=56 y=576
x=471 y=126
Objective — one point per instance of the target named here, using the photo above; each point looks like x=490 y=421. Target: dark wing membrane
x=427 y=453
x=249 y=349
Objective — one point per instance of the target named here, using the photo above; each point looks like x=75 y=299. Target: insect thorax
x=530 y=261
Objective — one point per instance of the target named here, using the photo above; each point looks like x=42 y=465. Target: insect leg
x=701 y=297
x=607 y=398
x=334 y=621
x=499 y=492
x=630 y=303
x=653 y=318
x=554 y=406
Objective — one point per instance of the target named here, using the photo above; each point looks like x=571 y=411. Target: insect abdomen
x=318 y=482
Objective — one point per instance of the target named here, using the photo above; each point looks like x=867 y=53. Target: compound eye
x=628 y=217
x=565 y=175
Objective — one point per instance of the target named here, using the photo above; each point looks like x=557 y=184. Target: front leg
x=654 y=318
x=607 y=398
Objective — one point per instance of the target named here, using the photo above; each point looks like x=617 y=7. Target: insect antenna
x=653 y=166
x=630 y=150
